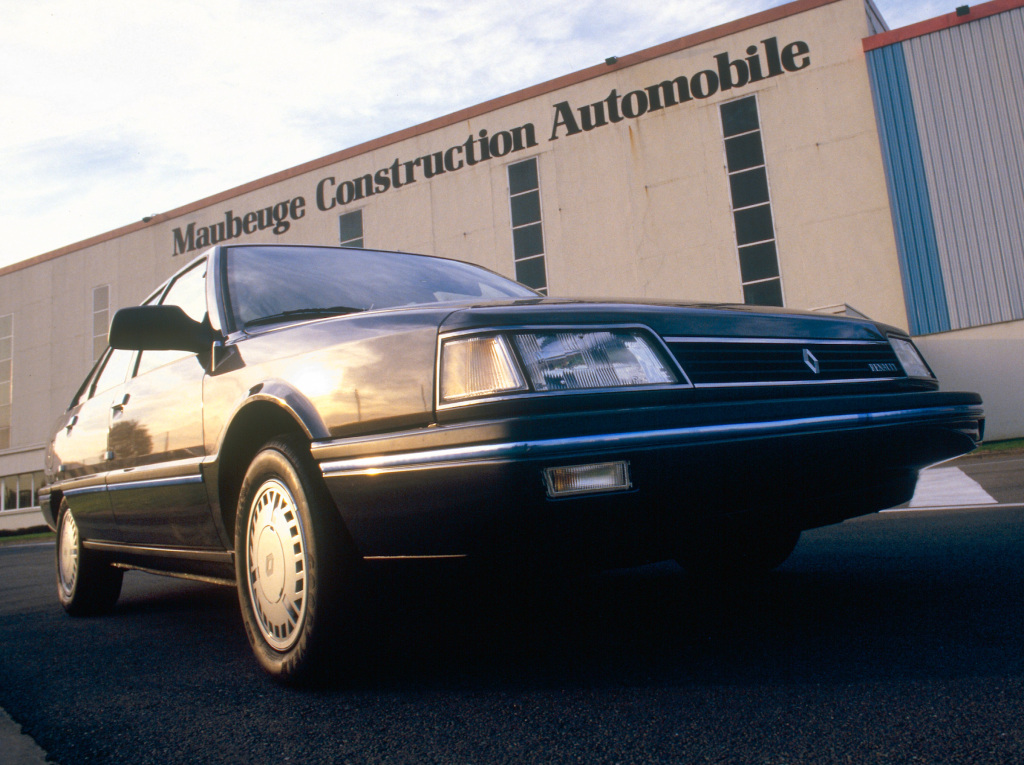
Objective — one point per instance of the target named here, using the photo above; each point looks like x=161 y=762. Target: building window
x=100 y=319
x=19 y=492
x=6 y=354
x=350 y=227
x=527 y=230
x=751 y=205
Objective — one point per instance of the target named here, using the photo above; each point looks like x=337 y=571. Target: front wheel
x=86 y=584
x=293 y=562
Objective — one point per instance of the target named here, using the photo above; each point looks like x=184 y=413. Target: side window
x=114 y=371
x=85 y=389
x=189 y=292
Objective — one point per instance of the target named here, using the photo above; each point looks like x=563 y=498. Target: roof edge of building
x=621 y=62
x=940 y=23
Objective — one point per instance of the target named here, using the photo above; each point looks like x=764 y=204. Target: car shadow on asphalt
x=658 y=626
x=868 y=618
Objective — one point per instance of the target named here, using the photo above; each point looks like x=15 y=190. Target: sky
x=114 y=110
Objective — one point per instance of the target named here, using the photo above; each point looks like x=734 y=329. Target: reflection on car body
x=275 y=417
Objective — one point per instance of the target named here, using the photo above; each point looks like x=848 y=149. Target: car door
x=156 y=438
x=80 y=446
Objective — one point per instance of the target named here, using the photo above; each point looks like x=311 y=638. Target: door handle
x=120 y=406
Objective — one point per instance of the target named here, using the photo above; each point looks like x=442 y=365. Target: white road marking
x=949 y=487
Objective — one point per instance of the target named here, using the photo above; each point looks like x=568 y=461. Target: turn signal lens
x=478 y=366
x=587 y=479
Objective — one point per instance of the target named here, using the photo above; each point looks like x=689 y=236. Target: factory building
x=805 y=157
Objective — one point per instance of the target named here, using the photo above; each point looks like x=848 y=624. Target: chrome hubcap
x=68 y=554
x=276 y=564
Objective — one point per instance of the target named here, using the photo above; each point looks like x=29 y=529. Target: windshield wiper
x=298 y=313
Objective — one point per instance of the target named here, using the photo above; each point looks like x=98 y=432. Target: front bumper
x=477 y=488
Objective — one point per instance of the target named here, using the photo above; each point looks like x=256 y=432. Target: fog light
x=587 y=479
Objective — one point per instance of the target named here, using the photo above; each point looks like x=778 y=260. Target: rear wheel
x=86 y=584
x=294 y=564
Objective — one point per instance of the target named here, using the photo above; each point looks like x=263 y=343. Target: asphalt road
x=898 y=638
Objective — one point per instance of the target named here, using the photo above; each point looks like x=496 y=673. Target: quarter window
x=527 y=229
x=751 y=203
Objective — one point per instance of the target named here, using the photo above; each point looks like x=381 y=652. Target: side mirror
x=158 y=328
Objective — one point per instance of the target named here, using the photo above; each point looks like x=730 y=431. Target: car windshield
x=266 y=284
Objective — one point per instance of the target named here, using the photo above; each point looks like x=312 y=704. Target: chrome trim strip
x=156 y=483
x=148 y=483
x=765 y=384
x=85 y=490
x=774 y=340
x=669 y=386
x=214 y=556
x=453 y=556
x=176 y=574
x=558 y=447
x=528 y=394
x=180 y=464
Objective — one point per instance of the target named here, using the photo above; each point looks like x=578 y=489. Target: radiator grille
x=716 y=362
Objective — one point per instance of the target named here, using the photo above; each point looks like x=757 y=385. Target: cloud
x=900 y=14
x=115 y=109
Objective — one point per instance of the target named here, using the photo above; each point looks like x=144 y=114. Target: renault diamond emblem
x=811 y=361
x=270 y=565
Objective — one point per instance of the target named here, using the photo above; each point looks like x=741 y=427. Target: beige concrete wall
x=19 y=520
x=28 y=295
x=835 y=232
x=990 y=361
x=641 y=208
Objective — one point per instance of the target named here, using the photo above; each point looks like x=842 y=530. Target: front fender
x=290 y=400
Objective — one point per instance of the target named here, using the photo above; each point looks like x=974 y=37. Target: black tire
x=294 y=563
x=739 y=550
x=87 y=584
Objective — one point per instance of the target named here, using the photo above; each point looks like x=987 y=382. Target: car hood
x=667 y=319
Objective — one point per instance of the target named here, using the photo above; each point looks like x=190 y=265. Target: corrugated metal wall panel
x=920 y=265
x=966 y=83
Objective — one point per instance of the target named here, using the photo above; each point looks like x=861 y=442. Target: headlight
x=910 y=359
x=563 y=360
x=582 y=360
